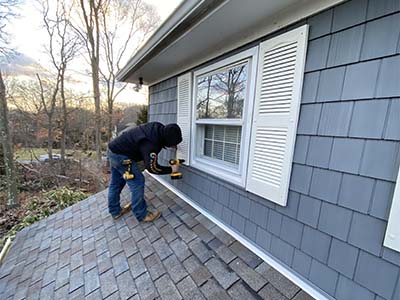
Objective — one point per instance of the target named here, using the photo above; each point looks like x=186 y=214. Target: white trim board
x=392 y=235
x=297 y=279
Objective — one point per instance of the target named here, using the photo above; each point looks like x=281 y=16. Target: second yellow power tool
x=176 y=175
x=128 y=175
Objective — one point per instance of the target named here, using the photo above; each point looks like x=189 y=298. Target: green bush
x=65 y=197
x=38 y=209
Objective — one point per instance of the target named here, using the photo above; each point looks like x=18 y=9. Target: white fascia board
x=297 y=279
x=177 y=16
x=291 y=15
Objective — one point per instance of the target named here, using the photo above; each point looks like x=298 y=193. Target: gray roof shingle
x=81 y=252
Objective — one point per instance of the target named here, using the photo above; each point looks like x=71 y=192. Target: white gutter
x=5 y=249
x=297 y=279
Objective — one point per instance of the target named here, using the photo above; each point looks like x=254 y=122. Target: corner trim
x=392 y=235
x=297 y=279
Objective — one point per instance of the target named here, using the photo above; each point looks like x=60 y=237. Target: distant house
x=290 y=112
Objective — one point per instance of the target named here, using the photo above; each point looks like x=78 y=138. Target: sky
x=28 y=36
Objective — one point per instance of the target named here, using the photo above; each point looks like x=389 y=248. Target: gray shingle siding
x=346 y=159
x=162 y=108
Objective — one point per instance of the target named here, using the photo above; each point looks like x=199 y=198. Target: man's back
x=128 y=143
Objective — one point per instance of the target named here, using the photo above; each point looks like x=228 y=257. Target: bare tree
x=6 y=13
x=125 y=25
x=48 y=97
x=62 y=48
x=204 y=104
x=111 y=28
x=24 y=96
x=8 y=153
x=232 y=84
x=90 y=12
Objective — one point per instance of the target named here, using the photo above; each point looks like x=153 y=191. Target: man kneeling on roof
x=142 y=143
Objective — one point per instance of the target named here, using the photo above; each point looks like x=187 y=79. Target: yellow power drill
x=128 y=175
x=176 y=175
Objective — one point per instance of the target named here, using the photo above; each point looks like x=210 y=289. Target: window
x=242 y=119
x=221 y=95
x=223 y=143
x=222 y=106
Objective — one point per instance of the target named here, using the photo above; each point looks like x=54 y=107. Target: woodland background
x=57 y=118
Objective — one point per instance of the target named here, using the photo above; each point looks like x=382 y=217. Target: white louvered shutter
x=278 y=91
x=183 y=116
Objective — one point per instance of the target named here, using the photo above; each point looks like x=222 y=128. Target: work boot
x=151 y=216
x=124 y=210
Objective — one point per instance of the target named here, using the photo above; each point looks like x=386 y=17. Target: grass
x=29 y=153
x=33 y=153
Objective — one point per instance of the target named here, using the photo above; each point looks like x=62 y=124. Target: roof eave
x=210 y=29
x=186 y=15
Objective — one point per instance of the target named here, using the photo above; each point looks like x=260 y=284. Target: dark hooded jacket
x=143 y=143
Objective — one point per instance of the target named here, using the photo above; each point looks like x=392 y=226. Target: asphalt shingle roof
x=82 y=253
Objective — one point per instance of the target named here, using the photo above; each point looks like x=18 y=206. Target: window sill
x=223 y=172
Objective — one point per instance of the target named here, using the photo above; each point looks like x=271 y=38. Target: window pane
x=238 y=153
x=209 y=132
x=224 y=144
x=232 y=134
x=218 y=150
x=221 y=95
x=230 y=153
x=207 y=148
x=219 y=133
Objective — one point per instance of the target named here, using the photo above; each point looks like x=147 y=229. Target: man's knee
x=138 y=180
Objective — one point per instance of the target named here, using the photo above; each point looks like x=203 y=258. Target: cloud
x=21 y=64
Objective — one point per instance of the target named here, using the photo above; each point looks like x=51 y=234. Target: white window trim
x=233 y=175
x=392 y=235
x=237 y=122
